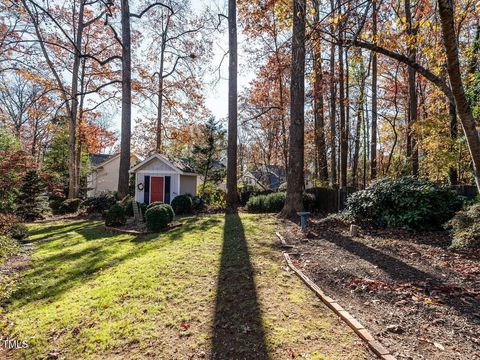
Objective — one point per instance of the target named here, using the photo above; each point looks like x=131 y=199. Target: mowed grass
x=213 y=288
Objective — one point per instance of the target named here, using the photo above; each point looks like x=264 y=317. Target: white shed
x=159 y=178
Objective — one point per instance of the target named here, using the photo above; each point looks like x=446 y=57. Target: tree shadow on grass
x=403 y=272
x=238 y=331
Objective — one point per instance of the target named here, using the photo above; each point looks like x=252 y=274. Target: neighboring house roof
x=179 y=164
x=268 y=176
x=98 y=159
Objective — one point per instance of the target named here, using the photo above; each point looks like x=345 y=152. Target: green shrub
x=18 y=231
x=170 y=211
x=182 y=204
x=212 y=195
x=248 y=191
x=155 y=203
x=55 y=201
x=127 y=203
x=157 y=218
x=6 y=221
x=100 y=203
x=406 y=202
x=198 y=203
x=143 y=209
x=256 y=204
x=8 y=247
x=266 y=203
x=29 y=202
x=69 y=206
x=115 y=216
x=465 y=228
x=274 y=202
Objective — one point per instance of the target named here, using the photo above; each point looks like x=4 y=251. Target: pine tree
x=30 y=204
x=208 y=152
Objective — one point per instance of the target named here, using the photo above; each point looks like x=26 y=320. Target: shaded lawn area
x=214 y=288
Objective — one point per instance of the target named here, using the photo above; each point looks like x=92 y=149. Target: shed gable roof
x=178 y=165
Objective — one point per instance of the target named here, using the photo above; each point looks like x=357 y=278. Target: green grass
x=214 y=287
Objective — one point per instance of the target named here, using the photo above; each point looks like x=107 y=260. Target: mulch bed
x=416 y=297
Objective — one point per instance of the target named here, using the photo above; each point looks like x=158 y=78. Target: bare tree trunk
x=360 y=104
x=295 y=176
x=464 y=110
x=452 y=113
x=158 y=147
x=73 y=183
x=343 y=125
x=412 y=150
x=319 y=116
x=373 y=144
x=232 y=193
x=123 y=175
x=333 y=122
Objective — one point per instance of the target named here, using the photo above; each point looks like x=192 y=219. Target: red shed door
x=156 y=188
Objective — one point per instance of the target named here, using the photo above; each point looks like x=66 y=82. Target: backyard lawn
x=214 y=288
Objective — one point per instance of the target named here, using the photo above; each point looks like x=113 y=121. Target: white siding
x=156 y=165
x=139 y=178
x=107 y=176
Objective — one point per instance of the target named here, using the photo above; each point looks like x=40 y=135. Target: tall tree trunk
x=295 y=176
x=281 y=97
x=360 y=104
x=123 y=175
x=72 y=173
x=158 y=146
x=452 y=113
x=343 y=124
x=412 y=150
x=373 y=143
x=319 y=116
x=232 y=193
x=333 y=121
x=78 y=156
x=464 y=110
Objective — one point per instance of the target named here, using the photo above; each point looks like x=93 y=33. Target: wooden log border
x=354 y=324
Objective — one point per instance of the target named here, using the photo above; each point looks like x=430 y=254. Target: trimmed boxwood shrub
x=157 y=218
x=465 y=228
x=115 y=216
x=100 y=203
x=266 y=203
x=182 y=204
x=69 y=206
x=256 y=204
x=18 y=231
x=170 y=211
x=407 y=202
x=155 y=203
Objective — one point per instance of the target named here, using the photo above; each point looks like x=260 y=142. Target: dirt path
x=421 y=300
